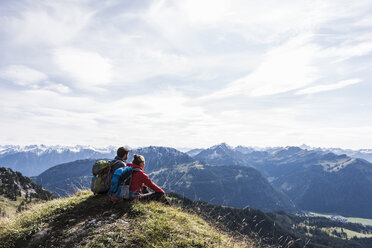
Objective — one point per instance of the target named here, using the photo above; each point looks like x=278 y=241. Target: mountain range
x=284 y=177
x=34 y=159
x=178 y=172
x=314 y=180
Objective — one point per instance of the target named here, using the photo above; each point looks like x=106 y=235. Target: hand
x=133 y=194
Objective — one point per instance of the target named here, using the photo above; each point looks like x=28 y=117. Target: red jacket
x=140 y=178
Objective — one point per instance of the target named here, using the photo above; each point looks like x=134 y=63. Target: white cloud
x=214 y=48
x=63 y=89
x=30 y=78
x=347 y=51
x=283 y=68
x=156 y=117
x=44 y=22
x=365 y=21
x=22 y=75
x=85 y=67
x=207 y=11
x=328 y=87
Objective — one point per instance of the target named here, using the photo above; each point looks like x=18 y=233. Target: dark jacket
x=117 y=163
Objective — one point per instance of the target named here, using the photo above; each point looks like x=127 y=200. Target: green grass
x=164 y=226
x=31 y=221
x=362 y=221
x=9 y=206
x=366 y=222
x=350 y=234
x=85 y=220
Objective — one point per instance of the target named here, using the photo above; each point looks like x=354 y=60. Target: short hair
x=122 y=151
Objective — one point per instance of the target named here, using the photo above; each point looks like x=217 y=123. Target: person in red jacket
x=140 y=180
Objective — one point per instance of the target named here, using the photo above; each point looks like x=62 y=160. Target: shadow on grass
x=71 y=226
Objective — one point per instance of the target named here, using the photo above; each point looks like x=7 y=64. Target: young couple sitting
x=141 y=184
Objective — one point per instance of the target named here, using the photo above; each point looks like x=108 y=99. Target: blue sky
x=186 y=73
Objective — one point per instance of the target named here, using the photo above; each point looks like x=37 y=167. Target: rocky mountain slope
x=279 y=228
x=223 y=185
x=313 y=180
x=17 y=192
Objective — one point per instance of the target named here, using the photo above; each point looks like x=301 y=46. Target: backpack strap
x=130 y=181
x=134 y=169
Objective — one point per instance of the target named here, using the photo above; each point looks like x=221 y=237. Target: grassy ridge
x=27 y=223
x=84 y=220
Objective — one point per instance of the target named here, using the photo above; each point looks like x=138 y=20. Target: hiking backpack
x=101 y=180
x=121 y=181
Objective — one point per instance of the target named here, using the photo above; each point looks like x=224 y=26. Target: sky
x=190 y=73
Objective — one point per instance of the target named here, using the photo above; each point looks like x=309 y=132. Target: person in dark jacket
x=120 y=159
x=140 y=180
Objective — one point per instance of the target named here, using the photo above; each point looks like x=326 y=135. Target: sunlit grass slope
x=84 y=220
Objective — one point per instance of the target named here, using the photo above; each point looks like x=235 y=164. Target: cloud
x=30 y=78
x=321 y=88
x=85 y=67
x=346 y=51
x=283 y=68
x=155 y=58
x=63 y=89
x=22 y=75
x=44 y=23
x=158 y=116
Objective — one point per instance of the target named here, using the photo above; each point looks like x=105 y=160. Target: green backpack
x=101 y=180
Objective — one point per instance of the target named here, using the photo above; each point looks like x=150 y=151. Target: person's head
x=123 y=152
x=139 y=160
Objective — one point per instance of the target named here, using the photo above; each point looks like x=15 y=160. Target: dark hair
x=137 y=159
x=122 y=151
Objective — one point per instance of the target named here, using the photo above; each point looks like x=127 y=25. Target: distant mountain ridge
x=358 y=153
x=34 y=159
x=178 y=172
x=315 y=180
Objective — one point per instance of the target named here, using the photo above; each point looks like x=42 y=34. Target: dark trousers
x=154 y=196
